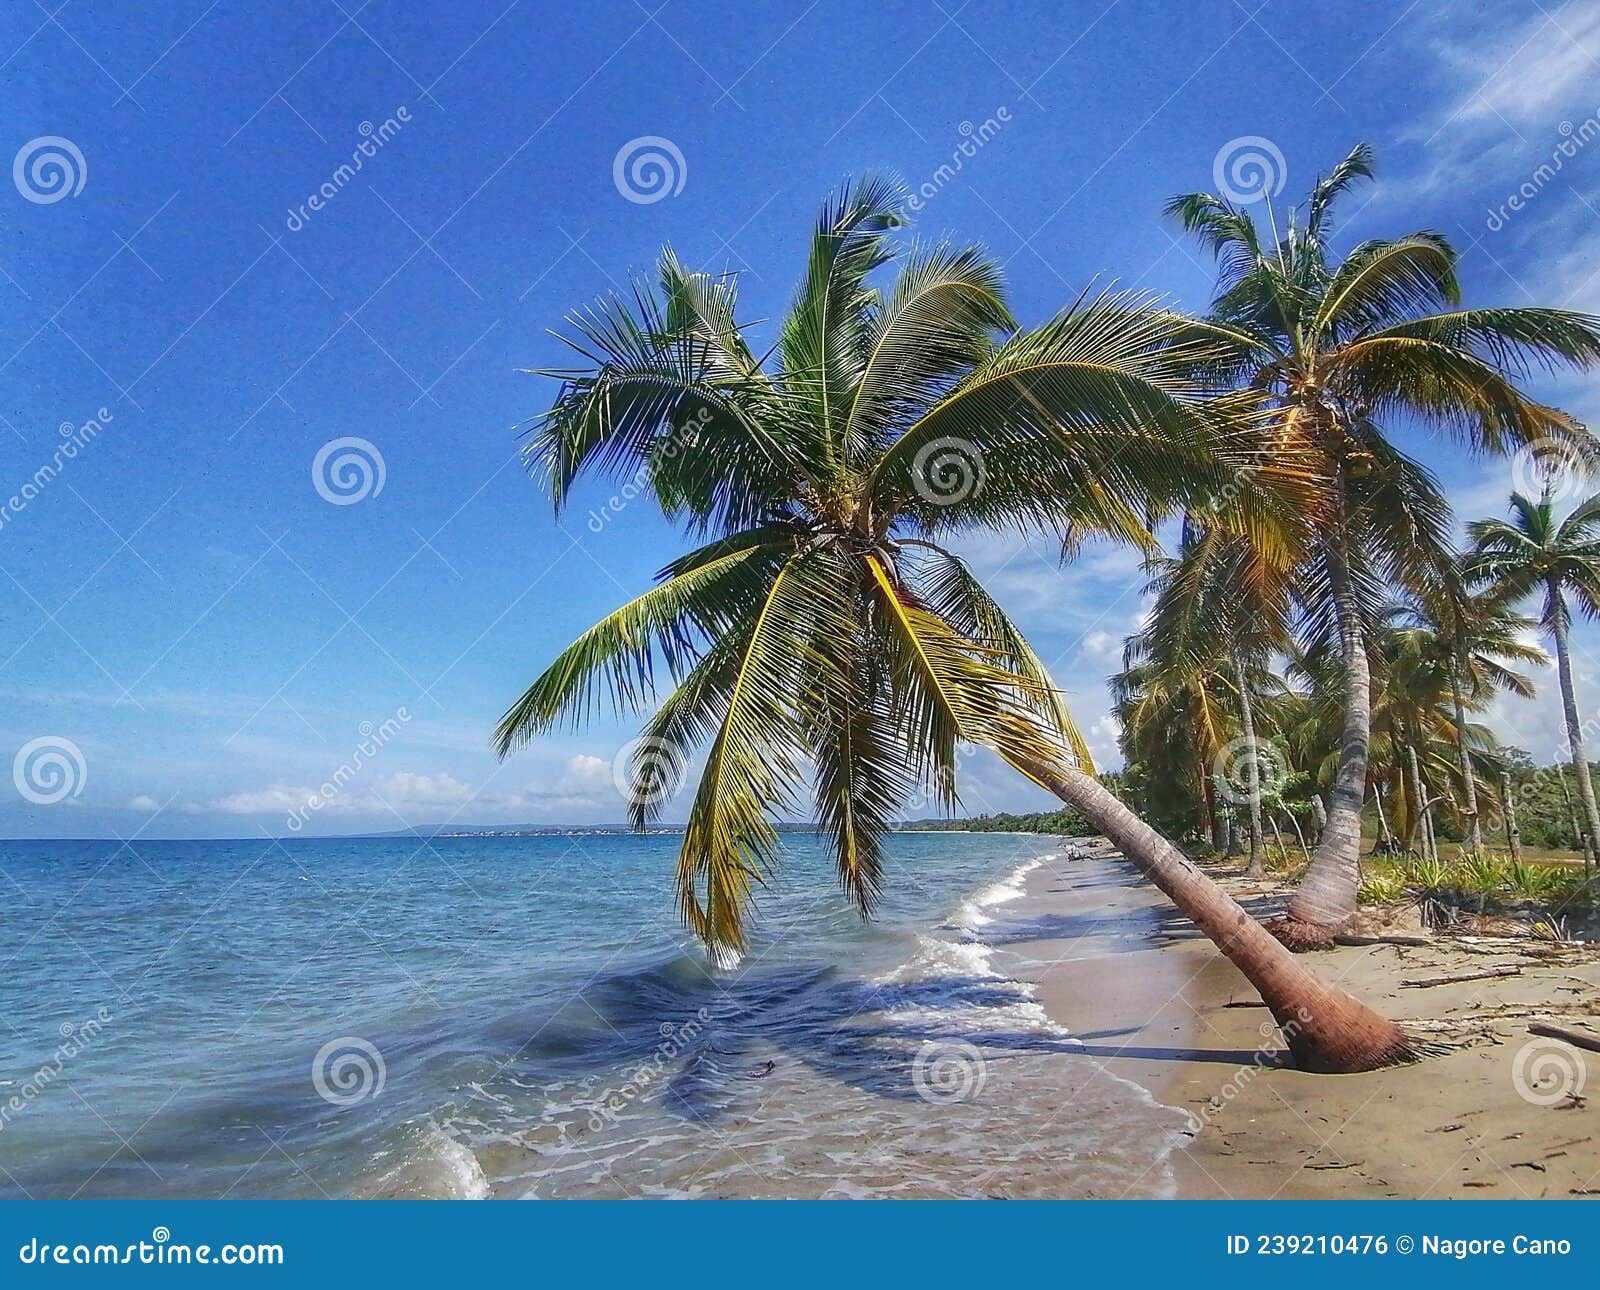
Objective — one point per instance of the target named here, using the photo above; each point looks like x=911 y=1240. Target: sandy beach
x=1156 y=1004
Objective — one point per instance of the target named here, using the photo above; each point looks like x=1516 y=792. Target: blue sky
x=210 y=634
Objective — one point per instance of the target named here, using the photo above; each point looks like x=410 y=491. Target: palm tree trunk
x=1419 y=795
x=1508 y=803
x=1253 y=778
x=1469 y=788
x=1383 y=820
x=1327 y=894
x=1569 y=704
x=1213 y=817
x=1326 y=1029
x=1578 y=840
x=1301 y=834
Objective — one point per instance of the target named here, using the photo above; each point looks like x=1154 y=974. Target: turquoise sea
x=523 y=1017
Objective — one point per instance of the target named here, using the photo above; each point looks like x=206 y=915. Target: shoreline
x=1156 y=1005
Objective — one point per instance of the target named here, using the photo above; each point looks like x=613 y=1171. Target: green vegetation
x=1066 y=822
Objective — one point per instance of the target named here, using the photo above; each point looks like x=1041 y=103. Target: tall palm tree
x=1220 y=610
x=1342 y=348
x=1475 y=635
x=825 y=633
x=1421 y=698
x=1537 y=551
x=1175 y=721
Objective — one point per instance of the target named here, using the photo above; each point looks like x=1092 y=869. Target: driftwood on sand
x=1574 y=1037
x=1424 y=982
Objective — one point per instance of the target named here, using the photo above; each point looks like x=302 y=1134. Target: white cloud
x=583 y=789
x=143 y=802
x=1103 y=738
x=1528 y=73
x=583 y=773
x=1101 y=644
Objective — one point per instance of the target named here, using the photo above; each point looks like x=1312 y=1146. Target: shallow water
x=516 y=1017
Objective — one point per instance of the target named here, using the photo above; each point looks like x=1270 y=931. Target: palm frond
x=669 y=625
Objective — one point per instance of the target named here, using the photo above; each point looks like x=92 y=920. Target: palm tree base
x=1301 y=936
x=1342 y=1036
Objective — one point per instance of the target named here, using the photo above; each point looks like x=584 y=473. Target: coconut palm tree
x=825 y=637
x=1220 y=610
x=1537 y=551
x=1475 y=634
x=1342 y=349
x=1175 y=722
x=1421 y=698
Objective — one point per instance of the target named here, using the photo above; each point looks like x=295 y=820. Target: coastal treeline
x=1066 y=823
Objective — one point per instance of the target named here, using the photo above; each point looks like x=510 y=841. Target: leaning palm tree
x=1341 y=348
x=1537 y=551
x=825 y=637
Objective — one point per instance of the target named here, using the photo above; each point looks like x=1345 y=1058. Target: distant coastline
x=1067 y=823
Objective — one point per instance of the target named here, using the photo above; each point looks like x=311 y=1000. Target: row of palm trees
x=825 y=642
x=1196 y=684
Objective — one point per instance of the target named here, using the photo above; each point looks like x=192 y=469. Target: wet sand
x=1156 y=1004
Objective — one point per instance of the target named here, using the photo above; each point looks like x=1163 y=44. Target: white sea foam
x=431 y=1165
x=1007 y=889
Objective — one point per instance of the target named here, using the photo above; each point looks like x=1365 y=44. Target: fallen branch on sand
x=1425 y=982
x=1573 y=1037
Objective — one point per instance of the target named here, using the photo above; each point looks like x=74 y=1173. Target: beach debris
x=1573 y=1037
x=1423 y=983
